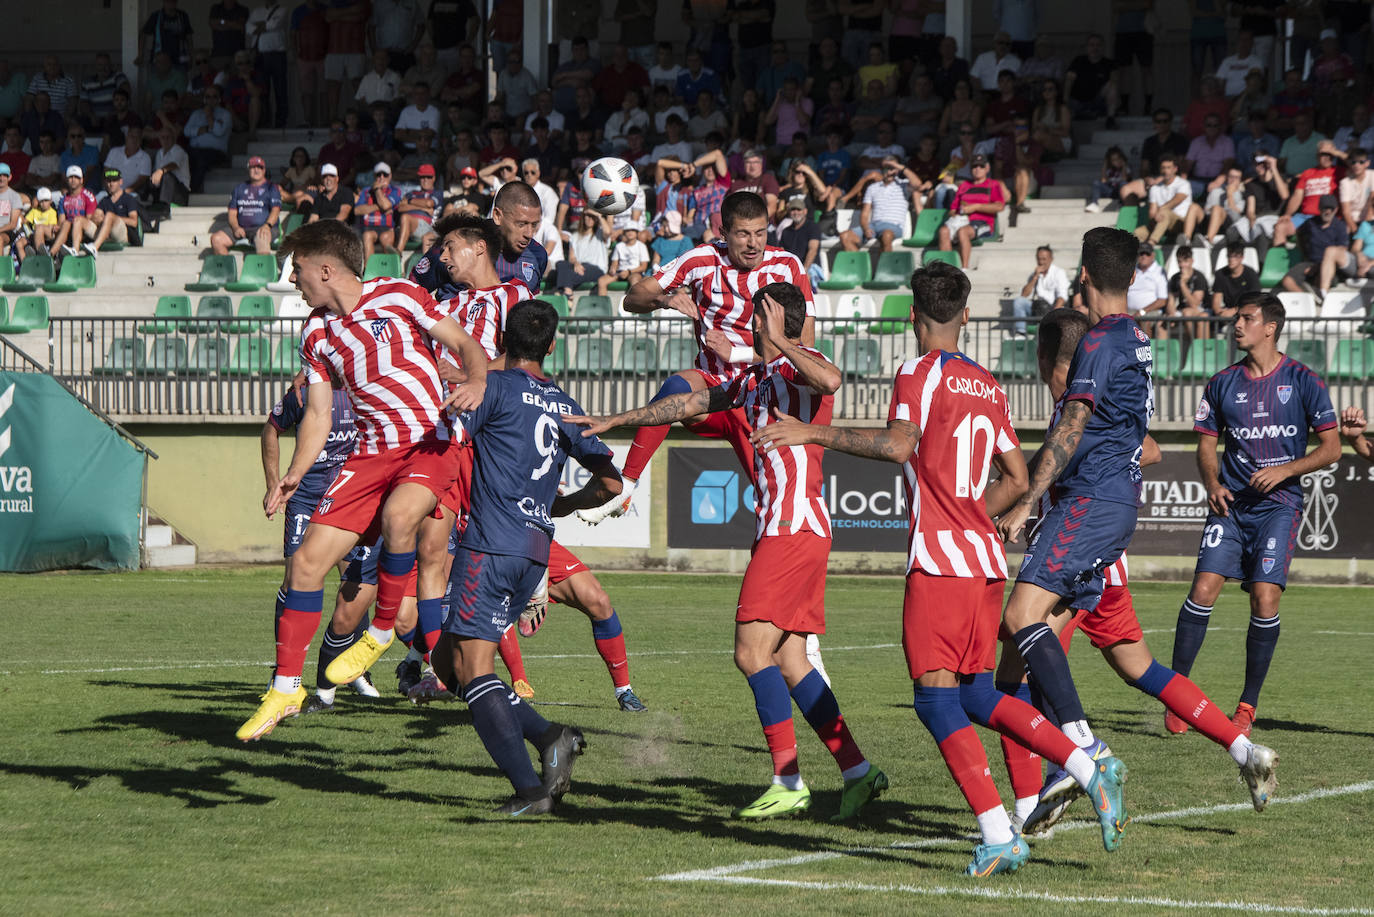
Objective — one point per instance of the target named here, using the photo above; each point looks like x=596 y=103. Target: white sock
x=286 y=684
x=1025 y=806
x=1240 y=750
x=326 y=695
x=857 y=771
x=620 y=691
x=995 y=826
x=1079 y=732
x=381 y=636
x=1080 y=767
x=791 y=781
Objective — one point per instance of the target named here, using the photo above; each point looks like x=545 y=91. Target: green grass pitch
x=123 y=789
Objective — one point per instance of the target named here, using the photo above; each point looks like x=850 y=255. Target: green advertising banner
x=70 y=487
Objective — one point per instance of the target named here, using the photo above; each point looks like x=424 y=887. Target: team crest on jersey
x=1203 y=411
x=528 y=270
x=1285 y=392
x=422 y=265
x=1267 y=564
x=381 y=330
x=325 y=505
x=1141 y=335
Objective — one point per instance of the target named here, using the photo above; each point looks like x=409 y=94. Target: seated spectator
x=1299 y=152
x=1018 y=156
x=495 y=174
x=299 y=177
x=1209 y=104
x=586 y=253
x=380 y=84
x=419 y=115
x=424 y=154
x=666 y=69
x=1209 y=156
x=1052 y=123
x=1309 y=188
x=833 y=163
x=1091 y=84
x=464 y=155
x=1358 y=132
x=340 y=153
x=754 y=178
x=790 y=112
x=532 y=175
x=630 y=114
x=379 y=140
x=543 y=108
x=118 y=119
x=1232 y=282
x=517 y=86
x=1115 y=174
x=1255 y=97
x=973 y=213
x=118 y=214
x=780 y=68
x=499 y=145
x=1149 y=290
x=885 y=145
x=571 y=201
x=801 y=236
x=75 y=225
x=170 y=181
x=1045 y=289
x=1294 y=98
x=542 y=149
x=963 y=108
x=469 y=198
x=1226 y=204
x=671 y=193
x=243 y=93
x=1042 y=64
x=613 y=79
x=12 y=154
x=949 y=68
x=1319 y=235
x=1257 y=142
x=674 y=146
x=40 y=224
x=164 y=77
x=837 y=114
x=375 y=210
x=875 y=108
x=879 y=68
x=1266 y=194
x=11 y=215
x=168 y=115
x=61 y=89
x=1333 y=73
x=670 y=243
x=80 y=153
x=1188 y=297
x=133 y=164
x=426 y=69
x=802 y=180
x=1355 y=188
x=1346 y=263
x=713 y=184
x=1171 y=205
x=630 y=218
x=629 y=261
x=1236 y=67
x=466 y=86
x=797 y=152
x=40 y=117
x=917 y=114
x=254 y=211
x=577 y=72
x=586 y=113
x=330 y=201
x=45 y=168
x=208 y=130
x=697 y=78
x=1004 y=107
x=926 y=165
x=707 y=119
x=418 y=209
x=989 y=64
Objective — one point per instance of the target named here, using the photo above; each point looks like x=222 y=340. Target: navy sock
x=1189 y=633
x=1036 y=698
x=332 y=648
x=532 y=726
x=408 y=638
x=499 y=729
x=1260 y=641
x=280 y=607
x=1049 y=668
x=1155 y=679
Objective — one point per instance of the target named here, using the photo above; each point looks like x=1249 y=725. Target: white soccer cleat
x=616 y=506
x=1258 y=774
x=364 y=686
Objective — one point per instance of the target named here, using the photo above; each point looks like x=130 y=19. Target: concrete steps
x=165 y=547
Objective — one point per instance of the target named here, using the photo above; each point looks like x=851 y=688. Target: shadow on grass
x=203 y=787
x=1265 y=723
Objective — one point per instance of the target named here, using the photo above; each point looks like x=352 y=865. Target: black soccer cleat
x=516 y=807
x=407 y=676
x=557 y=760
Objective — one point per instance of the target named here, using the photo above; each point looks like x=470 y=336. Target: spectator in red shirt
x=14 y=156
x=74 y=223
x=1210 y=102
x=499 y=145
x=620 y=74
x=974 y=211
x=1003 y=110
x=342 y=152
x=1308 y=189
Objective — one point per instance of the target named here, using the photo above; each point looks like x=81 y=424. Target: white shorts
x=958 y=221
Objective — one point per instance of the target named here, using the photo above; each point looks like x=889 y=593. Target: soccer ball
x=610 y=185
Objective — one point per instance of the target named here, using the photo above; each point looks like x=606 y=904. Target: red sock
x=509 y=648
x=1023 y=767
x=295 y=630
x=1189 y=704
x=612 y=650
x=391 y=589
x=782 y=745
x=646 y=443
x=842 y=746
x=968 y=765
x=1018 y=719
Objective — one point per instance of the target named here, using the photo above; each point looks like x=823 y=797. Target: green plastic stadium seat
x=168 y=355
x=590 y=307
x=893 y=271
x=560 y=305
x=859 y=357
x=412 y=261
x=30 y=314
x=382 y=264
x=258 y=271
x=828 y=348
x=592 y=356
x=1128 y=217
x=851 y=269
x=168 y=310
x=1277 y=262
x=254 y=306
x=678 y=354
x=213 y=307
x=1205 y=359
x=557 y=362
x=36 y=270
x=934 y=254
x=210 y=355
x=1016 y=359
x=4 y=309
x=618 y=285
x=1354 y=359
x=286 y=358
x=895 y=315
x=292 y=223
x=638 y=356
x=1310 y=352
x=927 y=226
x=6 y=270
x=125 y=356
x=215 y=272
x=1168 y=358
x=252 y=356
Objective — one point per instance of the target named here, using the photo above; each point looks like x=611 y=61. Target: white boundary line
x=730 y=874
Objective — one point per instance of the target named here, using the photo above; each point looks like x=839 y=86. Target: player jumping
x=947 y=424
x=517 y=214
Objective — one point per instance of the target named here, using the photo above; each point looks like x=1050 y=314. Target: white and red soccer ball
x=610 y=185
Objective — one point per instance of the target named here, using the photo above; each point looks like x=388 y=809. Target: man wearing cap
x=118 y=213
x=330 y=201
x=418 y=209
x=800 y=235
x=1326 y=232
x=1149 y=289
x=973 y=212
x=254 y=208
x=133 y=164
x=74 y=223
x=11 y=210
x=470 y=197
x=375 y=209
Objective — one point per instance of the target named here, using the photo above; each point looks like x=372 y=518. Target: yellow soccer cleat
x=276 y=706
x=523 y=688
x=354 y=662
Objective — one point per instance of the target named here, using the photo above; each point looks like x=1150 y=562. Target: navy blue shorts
x=362 y=560
x=1075 y=541
x=488 y=592
x=1254 y=544
x=299 y=509
x=362 y=564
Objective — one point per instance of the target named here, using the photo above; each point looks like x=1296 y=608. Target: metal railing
x=142 y=367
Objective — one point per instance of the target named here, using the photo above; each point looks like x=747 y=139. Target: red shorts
x=459 y=496
x=562 y=565
x=950 y=622
x=784 y=583
x=1112 y=621
x=731 y=426
x=354 y=502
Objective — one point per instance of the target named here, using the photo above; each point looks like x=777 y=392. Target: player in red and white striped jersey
x=1115 y=630
x=782 y=598
x=374 y=337
x=713 y=285
x=948 y=423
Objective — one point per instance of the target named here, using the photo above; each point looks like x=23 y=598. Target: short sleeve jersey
x=254 y=203
x=724 y=295
x=378 y=219
x=1264 y=422
x=964 y=421
x=382 y=352
x=522 y=443
x=1111 y=372
x=430 y=273
x=343 y=437
x=80 y=204
x=126 y=206
x=482 y=313
x=790 y=498
x=983 y=192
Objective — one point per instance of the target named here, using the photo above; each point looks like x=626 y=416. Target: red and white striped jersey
x=382 y=352
x=788 y=490
x=482 y=313
x=964 y=420
x=724 y=295
x=1116 y=574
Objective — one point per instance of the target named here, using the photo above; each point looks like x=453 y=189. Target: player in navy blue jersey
x=521 y=443
x=1263 y=406
x=1091 y=459
x=517 y=215
x=357 y=571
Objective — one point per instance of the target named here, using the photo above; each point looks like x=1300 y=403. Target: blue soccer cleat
x=1059 y=791
x=1105 y=792
x=990 y=859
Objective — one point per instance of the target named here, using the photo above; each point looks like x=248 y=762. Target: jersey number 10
x=966 y=439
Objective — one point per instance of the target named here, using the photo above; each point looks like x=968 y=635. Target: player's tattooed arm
x=1060 y=446
x=894 y=443
x=1353 y=425
x=656 y=414
x=604 y=484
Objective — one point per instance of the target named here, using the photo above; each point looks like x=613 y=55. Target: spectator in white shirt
x=619 y=123
x=133 y=163
x=380 y=84
x=419 y=115
x=1355 y=188
x=1171 y=204
x=517 y=85
x=628 y=262
x=885 y=205
x=1047 y=288
x=1233 y=69
x=1149 y=290
x=665 y=70
x=987 y=65
x=548 y=198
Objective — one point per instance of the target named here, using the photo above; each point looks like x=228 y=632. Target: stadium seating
x=557 y=362
x=934 y=254
x=896 y=315
x=210 y=355
x=1128 y=217
x=258 y=271
x=286 y=358
x=927 y=226
x=78 y=273
x=678 y=354
x=36 y=270
x=254 y=306
x=1310 y=352
x=168 y=355
x=30 y=314
x=1277 y=262
x=1206 y=358
x=1016 y=359
x=638 y=356
x=212 y=307
x=124 y=357
x=592 y=356
x=590 y=307
x=170 y=309
x=215 y=272
x=1250 y=259
x=851 y=269
x=382 y=264
x=893 y=271
x=1337 y=310
x=1353 y=360
x=252 y=356
x=858 y=306
x=1168 y=358
x=859 y=357
x=6 y=270
x=560 y=305
x=827 y=347
x=1298 y=305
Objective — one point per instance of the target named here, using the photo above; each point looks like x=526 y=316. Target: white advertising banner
x=628 y=531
